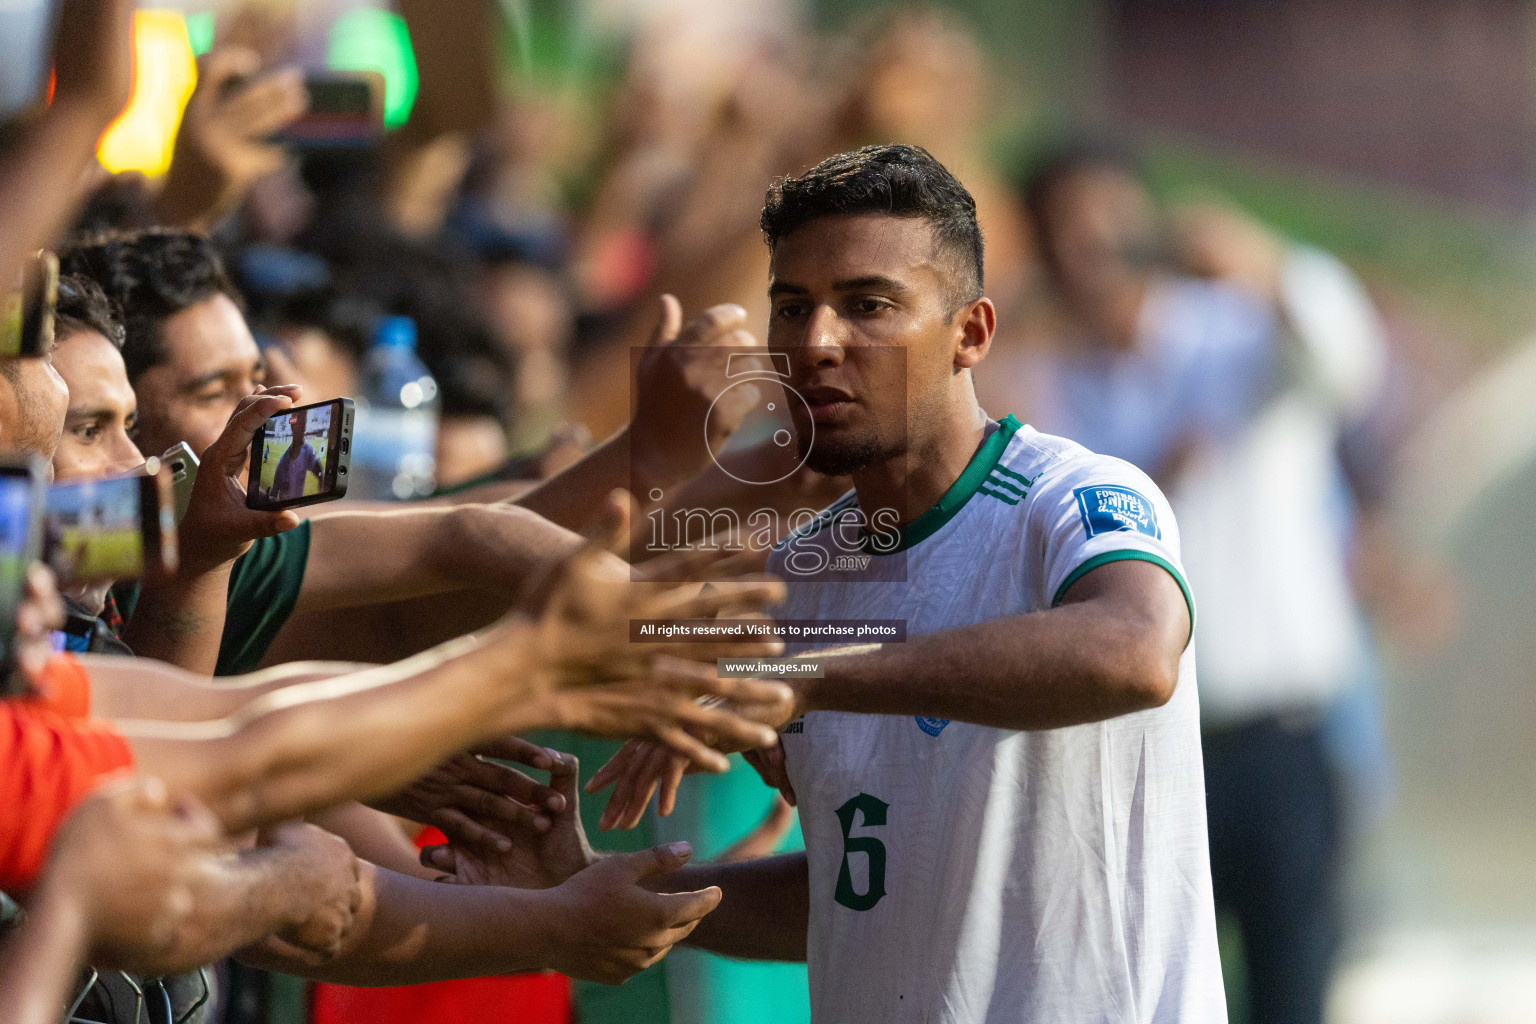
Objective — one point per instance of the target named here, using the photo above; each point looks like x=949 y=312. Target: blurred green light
x=372 y=40
x=200 y=32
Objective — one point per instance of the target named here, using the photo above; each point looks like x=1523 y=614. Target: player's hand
x=769 y=762
x=608 y=927
x=641 y=768
x=324 y=870
x=680 y=374
x=524 y=850
x=218 y=528
x=128 y=862
x=221 y=147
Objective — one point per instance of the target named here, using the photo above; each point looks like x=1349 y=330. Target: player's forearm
x=39 y=962
x=409 y=931
x=764 y=912
x=182 y=621
x=1063 y=667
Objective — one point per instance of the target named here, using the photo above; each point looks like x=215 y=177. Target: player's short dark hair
x=83 y=307
x=898 y=180
x=152 y=276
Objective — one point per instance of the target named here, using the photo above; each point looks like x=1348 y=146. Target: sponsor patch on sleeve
x=1107 y=508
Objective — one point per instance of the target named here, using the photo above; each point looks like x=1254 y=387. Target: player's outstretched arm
x=1110 y=648
x=763 y=913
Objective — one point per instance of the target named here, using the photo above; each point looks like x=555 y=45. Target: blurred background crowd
x=1278 y=255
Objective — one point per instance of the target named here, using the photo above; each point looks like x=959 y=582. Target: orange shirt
x=51 y=756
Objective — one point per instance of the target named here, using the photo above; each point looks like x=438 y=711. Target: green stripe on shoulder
x=1021 y=478
x=1000 y=494
x=1130 y=555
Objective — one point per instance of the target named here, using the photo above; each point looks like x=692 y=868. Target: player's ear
x=976 y=321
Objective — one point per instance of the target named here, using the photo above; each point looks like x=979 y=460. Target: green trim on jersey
x=1019 y=477
x=961 y=491
x=1130 y=555
x=1003 y=488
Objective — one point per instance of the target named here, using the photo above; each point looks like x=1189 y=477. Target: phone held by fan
x=97 y=529
x=301 y=456
x=23 y=488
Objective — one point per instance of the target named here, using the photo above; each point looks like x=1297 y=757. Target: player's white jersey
x=961 y=874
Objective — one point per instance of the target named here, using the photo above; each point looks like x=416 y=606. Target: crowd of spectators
x=159 y=821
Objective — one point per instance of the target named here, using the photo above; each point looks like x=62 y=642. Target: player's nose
x=824 y=338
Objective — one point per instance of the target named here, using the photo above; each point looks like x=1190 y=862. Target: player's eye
x=789 y=310
x=869 y=305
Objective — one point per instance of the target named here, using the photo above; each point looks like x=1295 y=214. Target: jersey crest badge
x=931 y=726
x=1107 y=508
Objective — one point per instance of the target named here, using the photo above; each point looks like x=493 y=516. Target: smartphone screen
x=346 y=109
x=111 y=528
x=301 y=456
x=27 y=308
x=21 y=491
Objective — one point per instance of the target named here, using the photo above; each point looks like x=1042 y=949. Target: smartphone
x=301 y=456
x=23 y=487
x=111 y=528
x=27 y=308
x=182 y=464
x=346 y=110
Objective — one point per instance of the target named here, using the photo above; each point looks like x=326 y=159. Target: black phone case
x=341 y=452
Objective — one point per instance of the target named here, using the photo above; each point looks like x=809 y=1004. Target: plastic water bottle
x=394 y=436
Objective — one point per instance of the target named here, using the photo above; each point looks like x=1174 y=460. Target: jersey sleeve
x=1091 y=510
x=51 y=763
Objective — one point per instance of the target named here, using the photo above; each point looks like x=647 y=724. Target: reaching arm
x=181 y=620
x=764 y=909
x=1110 y=648
x=316 y=744
x=600 y=925
x=140 y=688
x=41 y=962
x=434 y=550
x=42 y=172
x=302 y=885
